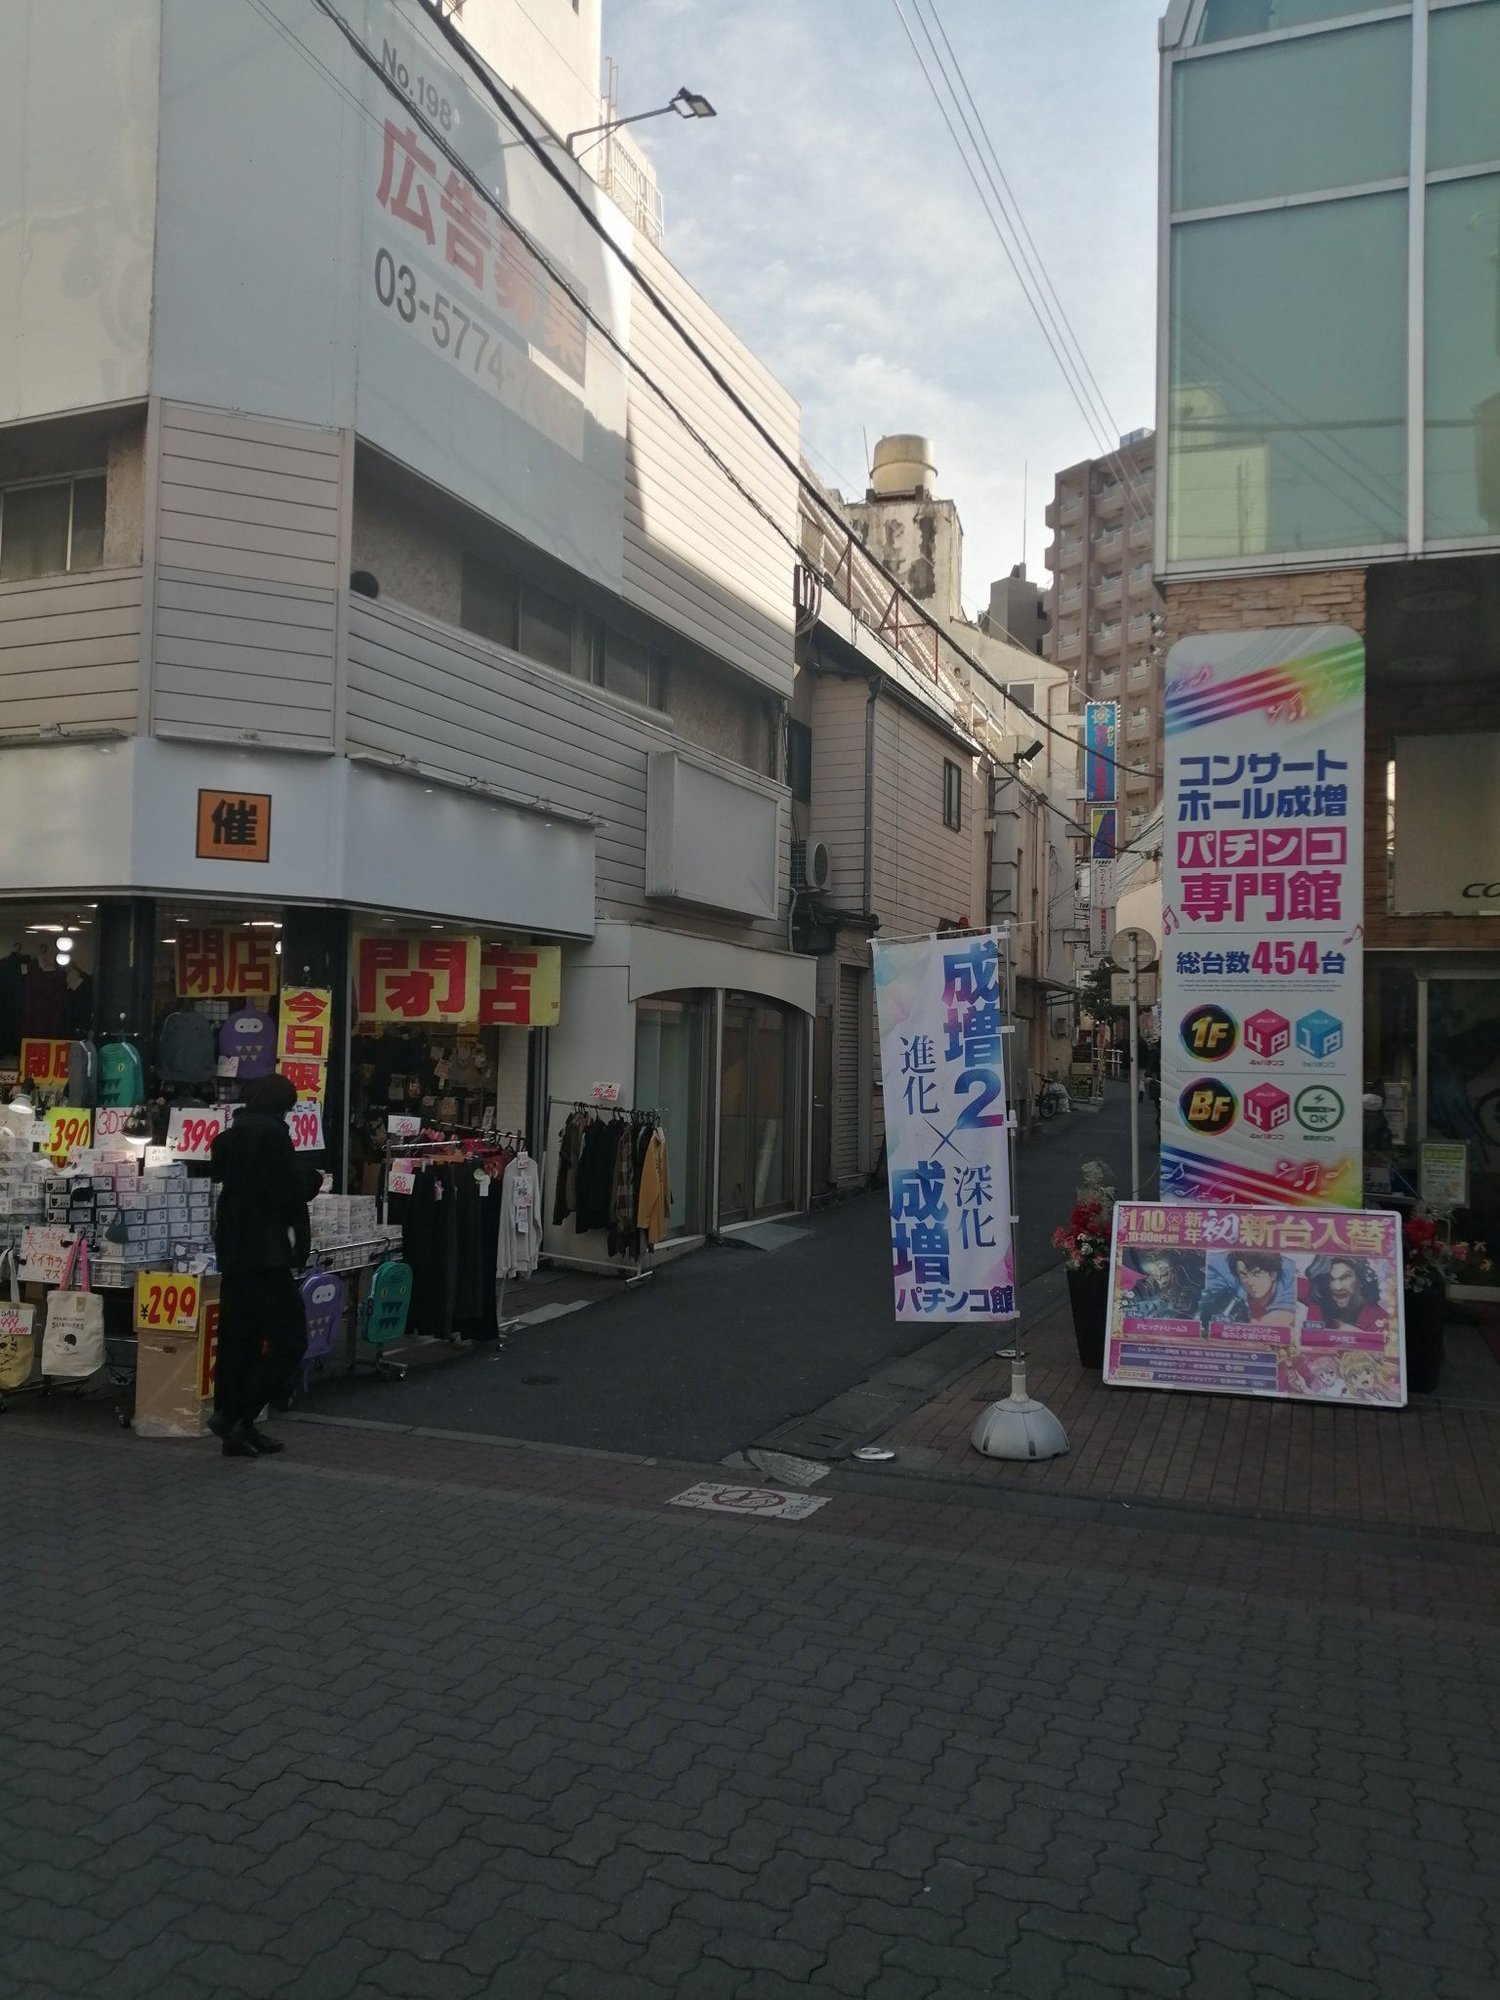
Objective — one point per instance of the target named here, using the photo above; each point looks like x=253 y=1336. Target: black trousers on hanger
x=262 y=1339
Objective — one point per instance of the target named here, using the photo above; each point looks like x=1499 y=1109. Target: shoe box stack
x=347 y=1231
x=23 y=1192
x=167 y=1219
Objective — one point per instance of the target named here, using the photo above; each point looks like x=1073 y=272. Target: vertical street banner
x=1263 y=918
x=940 y=1004
x=1103 y=898
x=1101 y=731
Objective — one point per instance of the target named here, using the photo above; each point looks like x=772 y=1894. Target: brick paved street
x=1435 y=1464
x=399 y=1716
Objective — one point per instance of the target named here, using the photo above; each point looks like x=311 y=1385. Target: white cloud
x=826 y=214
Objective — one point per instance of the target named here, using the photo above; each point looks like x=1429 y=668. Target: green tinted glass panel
x=86 y=545
x=1463 y=358
x=1287 y=427
x=1320 y=111
x=1463 y=87
x=1225 y=20
x=34 y=531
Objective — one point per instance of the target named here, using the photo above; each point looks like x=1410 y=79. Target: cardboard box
x=167 y=1403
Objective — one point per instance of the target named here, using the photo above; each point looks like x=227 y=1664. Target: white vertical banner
x=940 y=1004
x=1102 y=904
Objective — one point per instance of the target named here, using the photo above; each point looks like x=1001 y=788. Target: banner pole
x=1135 y=1067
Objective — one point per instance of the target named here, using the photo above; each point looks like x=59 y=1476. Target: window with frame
x=50 y=527
x=953 y=796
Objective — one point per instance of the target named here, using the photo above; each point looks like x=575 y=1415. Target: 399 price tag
x=69 y=1130
x=305 y=1123
x=165 y=1304
x=193 y=1129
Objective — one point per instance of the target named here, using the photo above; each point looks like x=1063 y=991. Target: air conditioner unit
x=812 y=865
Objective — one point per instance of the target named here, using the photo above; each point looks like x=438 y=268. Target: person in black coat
x=261 y=1236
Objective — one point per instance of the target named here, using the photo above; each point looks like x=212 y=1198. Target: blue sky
x=826 y=214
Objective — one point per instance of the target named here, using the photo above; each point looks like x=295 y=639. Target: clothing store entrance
x=760 y=1092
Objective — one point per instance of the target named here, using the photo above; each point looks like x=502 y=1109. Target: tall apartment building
x=1104 y=602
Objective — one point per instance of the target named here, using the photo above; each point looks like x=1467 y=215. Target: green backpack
x=122 y=1080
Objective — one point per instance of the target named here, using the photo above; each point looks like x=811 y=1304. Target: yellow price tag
x=166 y=1304
x=69 y=1130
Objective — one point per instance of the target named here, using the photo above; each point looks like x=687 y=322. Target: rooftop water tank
x=903 y=464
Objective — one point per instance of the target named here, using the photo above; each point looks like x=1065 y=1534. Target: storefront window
x=673 y=1036
x=1463 y=1086
x=1463 y=365
x=1288 y=400
x=441 y=1033
x=48 y=962
x=1342 y=117
x=760 y=1109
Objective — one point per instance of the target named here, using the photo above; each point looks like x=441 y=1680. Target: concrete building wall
x=921 y=542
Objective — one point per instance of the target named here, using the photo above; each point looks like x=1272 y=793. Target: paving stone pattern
x=363 y=1721
x=1435 y=1464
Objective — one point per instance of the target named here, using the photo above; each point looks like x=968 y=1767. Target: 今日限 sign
x=1257 y=1302
x=305 y=1024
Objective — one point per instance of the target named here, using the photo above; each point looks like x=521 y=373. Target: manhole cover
x=537 y=1381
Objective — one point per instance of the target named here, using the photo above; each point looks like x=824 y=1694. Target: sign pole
x=1135 y=1067
x=1018 y=1427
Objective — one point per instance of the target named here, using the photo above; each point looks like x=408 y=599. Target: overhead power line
x=998 y=204
x=807 y=487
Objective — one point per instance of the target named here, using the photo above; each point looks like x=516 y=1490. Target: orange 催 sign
x=234 y=826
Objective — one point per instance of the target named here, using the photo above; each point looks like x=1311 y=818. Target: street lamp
x=687 y=104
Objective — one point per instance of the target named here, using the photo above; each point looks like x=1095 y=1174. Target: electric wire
x=1050 y=329
x=806 y=486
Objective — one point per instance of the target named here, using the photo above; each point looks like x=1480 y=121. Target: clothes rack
x=643 y=1267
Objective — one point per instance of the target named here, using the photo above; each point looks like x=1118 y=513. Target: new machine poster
x=939 y=1002
x=1262 y=918
x=1290 y=1302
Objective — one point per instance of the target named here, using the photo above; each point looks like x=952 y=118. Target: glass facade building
x=1330 y=313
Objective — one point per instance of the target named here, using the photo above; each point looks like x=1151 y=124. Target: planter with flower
x=1084 y=1242
x=1429 y=1261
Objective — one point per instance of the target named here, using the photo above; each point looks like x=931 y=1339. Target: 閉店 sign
x=437 y=977
x=219 y=963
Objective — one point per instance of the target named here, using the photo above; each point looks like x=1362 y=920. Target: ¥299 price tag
x=68 y=1130
x=166 y=1304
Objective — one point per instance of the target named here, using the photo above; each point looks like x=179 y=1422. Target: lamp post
x=687 y=104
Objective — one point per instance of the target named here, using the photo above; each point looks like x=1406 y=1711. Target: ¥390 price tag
x=68 y=1130
x=164 y=1304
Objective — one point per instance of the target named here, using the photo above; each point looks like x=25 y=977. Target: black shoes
x=243 y=1440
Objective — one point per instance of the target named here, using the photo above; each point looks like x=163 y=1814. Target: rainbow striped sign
x=1263 y=918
